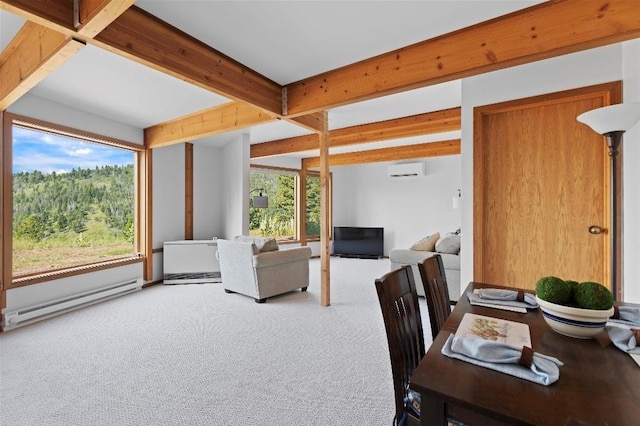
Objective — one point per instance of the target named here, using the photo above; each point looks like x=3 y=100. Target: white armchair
x=247 y=270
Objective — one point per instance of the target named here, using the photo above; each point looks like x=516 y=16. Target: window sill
x=38 y=278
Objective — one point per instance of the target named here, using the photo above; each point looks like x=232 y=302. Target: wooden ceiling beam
x=415 y=125
x=284 y=146
x=34 y=53
x=406 y=152
x=312 y=121
x=546 y=30
x=95 y=15
x=224 y=118
x=57 y=15
x=146 y=39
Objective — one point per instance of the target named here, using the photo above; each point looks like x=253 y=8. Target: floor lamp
x=612 y=121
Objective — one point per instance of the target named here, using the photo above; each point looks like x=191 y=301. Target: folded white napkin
x=624 y=339
x=497 y=296
x=503 y=358
x=629 y=315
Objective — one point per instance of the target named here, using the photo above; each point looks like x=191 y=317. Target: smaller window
x=278 y=220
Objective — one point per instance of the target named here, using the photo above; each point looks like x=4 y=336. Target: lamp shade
x=619 y=117
x=260 y=202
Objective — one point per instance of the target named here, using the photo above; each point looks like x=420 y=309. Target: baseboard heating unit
x=191 y=262
x=15 y=318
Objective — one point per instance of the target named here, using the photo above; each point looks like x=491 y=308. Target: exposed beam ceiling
x=153 y=42
x=34 y=53
x=431 y=149
x=415 y=125
x=546 y=30
x=139 y=36
x=39 y=48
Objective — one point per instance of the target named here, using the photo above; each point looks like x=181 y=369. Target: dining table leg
x=431 y=411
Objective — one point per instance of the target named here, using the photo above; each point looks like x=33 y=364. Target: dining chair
x=436 y=291
x=401 y=313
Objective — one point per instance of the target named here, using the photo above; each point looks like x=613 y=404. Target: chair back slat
x=401 y=313
x=436 y=291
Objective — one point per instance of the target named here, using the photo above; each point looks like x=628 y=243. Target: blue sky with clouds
x=34 y=150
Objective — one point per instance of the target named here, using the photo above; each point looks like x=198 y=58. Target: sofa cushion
x=449 y=243
x=427 y=243
x=263 y=244
x=279 y=257
x=412 y=257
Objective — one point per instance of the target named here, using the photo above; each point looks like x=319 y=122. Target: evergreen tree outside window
x=279 y=219
x=73 y=201
x=313 y=206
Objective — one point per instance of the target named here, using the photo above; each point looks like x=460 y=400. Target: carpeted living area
x=194 y=355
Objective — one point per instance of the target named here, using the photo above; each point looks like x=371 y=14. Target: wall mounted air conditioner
x=406 y=169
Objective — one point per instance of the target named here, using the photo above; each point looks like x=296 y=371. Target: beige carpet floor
x=194 y=355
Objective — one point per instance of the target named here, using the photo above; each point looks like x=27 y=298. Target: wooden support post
x=144 y=215
x=302 y=206
x=188 y=191
x=325 y=293
x=5 y=207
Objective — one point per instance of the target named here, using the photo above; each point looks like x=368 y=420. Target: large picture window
x=73 y=200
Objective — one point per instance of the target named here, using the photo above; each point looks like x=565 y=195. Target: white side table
x=191 y=262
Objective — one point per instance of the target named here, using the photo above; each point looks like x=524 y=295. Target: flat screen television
x=352 y=241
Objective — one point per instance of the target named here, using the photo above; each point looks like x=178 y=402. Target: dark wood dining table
x=598 y=384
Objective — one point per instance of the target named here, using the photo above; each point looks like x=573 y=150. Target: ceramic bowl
x=574 y=322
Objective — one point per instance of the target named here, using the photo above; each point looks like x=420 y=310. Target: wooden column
x=144 y=216
x=5 y=207
x=188 y=191
x=325 y=281
x=302 y=206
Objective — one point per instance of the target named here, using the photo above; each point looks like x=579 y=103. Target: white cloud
x=81 y=152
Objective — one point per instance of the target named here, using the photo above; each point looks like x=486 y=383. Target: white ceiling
x=285 y=41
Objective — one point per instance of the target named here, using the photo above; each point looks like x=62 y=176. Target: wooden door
x=541 y=179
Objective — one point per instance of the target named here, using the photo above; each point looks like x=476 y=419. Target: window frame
x=315 y=174
x=141 y=202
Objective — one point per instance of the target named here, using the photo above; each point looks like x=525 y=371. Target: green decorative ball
x=590 y=295
x=573 y=285
x=554 y=290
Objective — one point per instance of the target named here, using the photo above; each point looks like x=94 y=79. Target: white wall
x=631 y=189
x=168 y=194
x=562 y=73
x=288 y=163
x=408 y=208
x=207 y=192
x=44 y=109
x=235 y=180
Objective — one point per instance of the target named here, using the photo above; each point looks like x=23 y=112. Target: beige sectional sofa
x=448 y=247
